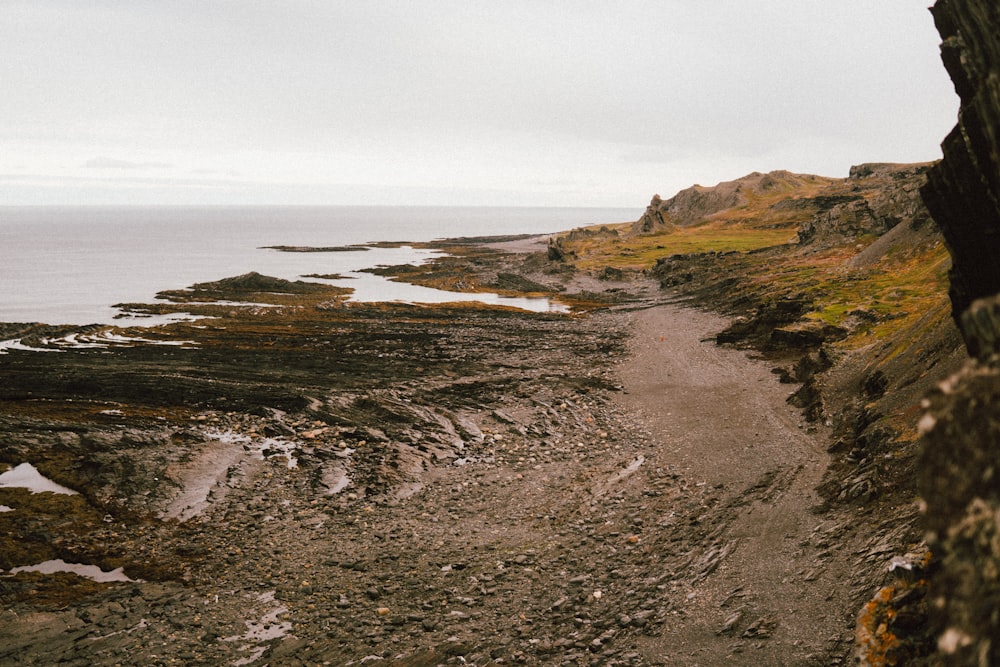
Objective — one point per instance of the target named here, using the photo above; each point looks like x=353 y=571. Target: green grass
x=642 y=252
x=878 y=300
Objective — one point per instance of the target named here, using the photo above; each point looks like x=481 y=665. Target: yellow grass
x=641 y=252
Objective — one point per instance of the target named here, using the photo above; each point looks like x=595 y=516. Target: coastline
x=413 y=482
x=70 y=265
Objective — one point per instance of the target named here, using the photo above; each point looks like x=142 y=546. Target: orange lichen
x=876 y=644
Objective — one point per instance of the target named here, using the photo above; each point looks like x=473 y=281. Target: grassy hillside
x=842 y=282
x=859 y=252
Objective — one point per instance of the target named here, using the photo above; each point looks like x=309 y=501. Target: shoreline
x=366 y=277
x=67 y=256
x=467 y=482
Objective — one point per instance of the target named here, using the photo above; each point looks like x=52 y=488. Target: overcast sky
x=498 y=102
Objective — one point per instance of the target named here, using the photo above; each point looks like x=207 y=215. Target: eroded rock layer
x=963 y=190
x=961 y=454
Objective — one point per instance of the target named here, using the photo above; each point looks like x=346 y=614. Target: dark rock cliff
x=963 y=190
x=892 y=197
x=960 y=464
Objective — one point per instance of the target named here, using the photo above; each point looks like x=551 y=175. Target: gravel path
x=722 y=421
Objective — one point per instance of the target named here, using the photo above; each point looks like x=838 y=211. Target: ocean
x=70 y=265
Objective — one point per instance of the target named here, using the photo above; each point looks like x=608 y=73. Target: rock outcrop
x=882 y=196
x=653 y=219
x=960 y=462
x=694 y=204
x=963 y=191
x=958 y=481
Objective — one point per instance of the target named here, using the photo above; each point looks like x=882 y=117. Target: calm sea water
x=71 y=265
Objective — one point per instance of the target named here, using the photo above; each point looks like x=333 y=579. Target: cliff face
x=870 y=208
x=963 y=191
x=960 y=462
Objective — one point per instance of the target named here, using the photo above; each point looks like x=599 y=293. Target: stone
x=960 y=444
x=762 y=628
x=963 y=190
x=730 y=625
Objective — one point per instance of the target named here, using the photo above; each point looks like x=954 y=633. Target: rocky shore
x=767 y=446
x=331 y=483
x=323 y=482
x=300 y=479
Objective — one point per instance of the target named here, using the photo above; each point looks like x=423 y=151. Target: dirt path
x=723 y=423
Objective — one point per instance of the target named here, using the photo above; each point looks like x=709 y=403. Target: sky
x=441 y=102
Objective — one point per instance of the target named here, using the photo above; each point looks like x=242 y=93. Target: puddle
x=351 y=269
x=371 y=288
x=263 y=449
x=99 y=340
x=104 y=339
x=232 y=304
x=335 y=479
x=264 y=630
x=130 y=318
x=107 y=338
x=88 y=571
x=16 y=344
x=277 y=447
x=26 y=476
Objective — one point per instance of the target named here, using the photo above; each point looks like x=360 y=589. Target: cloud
x=465 y=96
x=102 y=162
x=125 y=181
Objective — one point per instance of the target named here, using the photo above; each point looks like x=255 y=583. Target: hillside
x=842 y=284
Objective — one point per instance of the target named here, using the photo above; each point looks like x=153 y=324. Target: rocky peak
x=696 y=203
x=653 y=219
